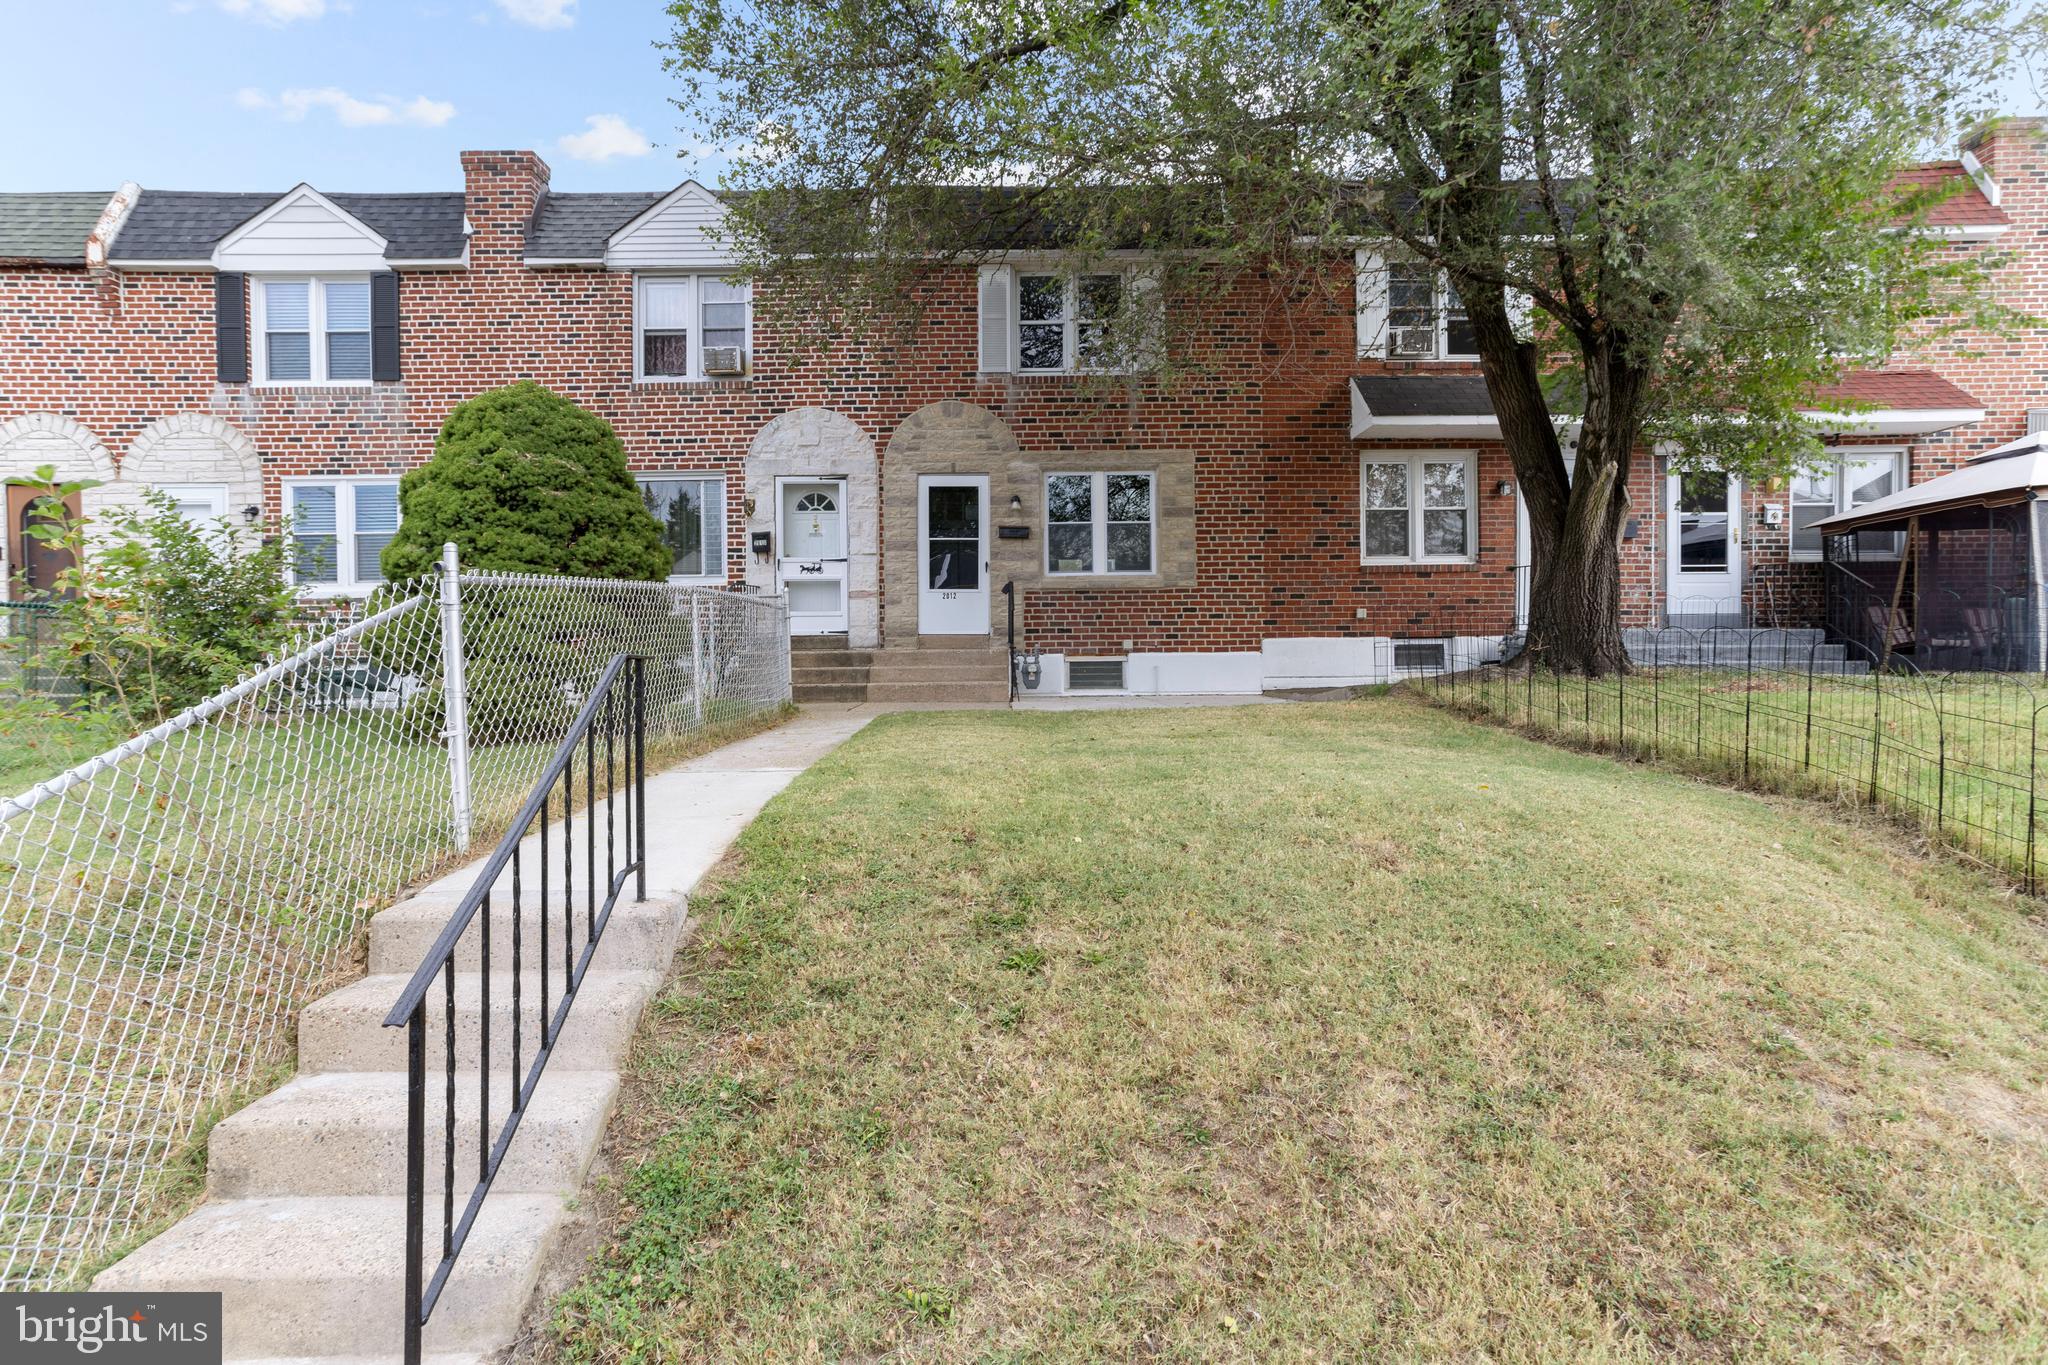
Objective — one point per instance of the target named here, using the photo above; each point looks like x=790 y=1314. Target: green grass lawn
x=1963 y=756
x=1324 y=1032
x=38 y=742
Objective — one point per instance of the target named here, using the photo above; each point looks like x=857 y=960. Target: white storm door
x=1703 y=539
x=952 y=546
x=810 y=528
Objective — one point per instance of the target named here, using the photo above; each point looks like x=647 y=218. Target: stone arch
x=48 y=438
x=818 y=441
x=36 y=439
x=948 y=437
x=953 y=430
x=193 y=448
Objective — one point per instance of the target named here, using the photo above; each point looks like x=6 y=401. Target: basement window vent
x=1418 y=657
x=1095 y=675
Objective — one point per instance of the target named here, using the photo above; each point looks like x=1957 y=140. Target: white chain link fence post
x=455 y=695
x=697 y=658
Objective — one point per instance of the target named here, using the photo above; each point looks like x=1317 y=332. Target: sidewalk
x=693 y=816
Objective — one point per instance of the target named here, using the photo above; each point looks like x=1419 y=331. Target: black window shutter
x=231 y=328
x=384 y=328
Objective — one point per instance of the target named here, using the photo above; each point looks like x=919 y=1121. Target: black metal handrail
x=622 y=722
x=1010 y=609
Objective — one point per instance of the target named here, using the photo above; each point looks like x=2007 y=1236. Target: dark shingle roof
x=576 y=227
x=186 y=225
x=1450 y=395
x=50 y=228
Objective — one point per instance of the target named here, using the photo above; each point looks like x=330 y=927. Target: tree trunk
x=1575 y=598
x=1574 y=522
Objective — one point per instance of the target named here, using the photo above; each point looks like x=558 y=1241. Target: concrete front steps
x=303 y=1229
x=823 y=668
x=942 y=668
x=1731 y=647
x=937 y=669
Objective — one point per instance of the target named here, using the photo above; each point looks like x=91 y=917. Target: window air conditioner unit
x=1412 y=343
x=724 y=360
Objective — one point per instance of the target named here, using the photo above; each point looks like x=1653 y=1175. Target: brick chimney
x=2014 y=155
x=500 y=191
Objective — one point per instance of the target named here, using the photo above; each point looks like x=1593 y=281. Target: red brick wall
x=1265 y=408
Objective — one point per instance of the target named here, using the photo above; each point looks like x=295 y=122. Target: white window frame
x=1841 y=457
x=724 y=526
x=1069 y=320
x=1375 y=311
x=346 y=583
x=1415 y=460
x=316 y=325
x=1099 y=523
x=214 y=494
x=693 y=331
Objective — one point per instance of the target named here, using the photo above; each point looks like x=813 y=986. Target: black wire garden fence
x=1957 y=755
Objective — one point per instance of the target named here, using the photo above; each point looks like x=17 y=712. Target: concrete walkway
x=303 y=1227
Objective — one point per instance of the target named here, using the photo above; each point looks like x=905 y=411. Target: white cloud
x=377 y=112
x=532 y=13
x=606 y=136
x=275 y=11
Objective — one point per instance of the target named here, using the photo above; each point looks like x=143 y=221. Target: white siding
x=302 y=232
x=679 y=233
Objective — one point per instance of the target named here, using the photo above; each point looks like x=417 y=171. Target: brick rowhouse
x=110 y=369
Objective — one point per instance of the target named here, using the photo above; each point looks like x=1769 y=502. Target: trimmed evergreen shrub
x=525 y=481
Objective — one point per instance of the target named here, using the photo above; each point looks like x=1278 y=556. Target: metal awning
x=1397 y=406
x=1456 y=407
x=2009 y=474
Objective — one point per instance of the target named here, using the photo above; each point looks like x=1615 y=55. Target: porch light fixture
x=1016 y=504
x=1503 y=488
x=251 y=512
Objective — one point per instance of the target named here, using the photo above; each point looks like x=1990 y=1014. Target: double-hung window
x=339 y=528
x=313 y=330
x=1407 y=310
x=1425 y=319
x=691 y=513
x=1066 y=322
x=1416 y=508
x=1099 y=523
x=692 y=327
x=1847 y=484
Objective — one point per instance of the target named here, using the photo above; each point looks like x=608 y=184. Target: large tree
x=1690 y=200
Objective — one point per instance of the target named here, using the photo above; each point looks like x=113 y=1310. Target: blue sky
x=347 y=94
x=357 y=94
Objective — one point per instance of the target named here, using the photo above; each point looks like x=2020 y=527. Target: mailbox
x=764 y=543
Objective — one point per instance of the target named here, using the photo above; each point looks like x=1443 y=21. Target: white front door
x=810 y=528
x=952 y=545
x=1703 y=539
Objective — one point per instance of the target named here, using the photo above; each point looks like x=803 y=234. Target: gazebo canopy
x=2008 y=474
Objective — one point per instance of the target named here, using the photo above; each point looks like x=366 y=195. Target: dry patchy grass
x=1314 y=1032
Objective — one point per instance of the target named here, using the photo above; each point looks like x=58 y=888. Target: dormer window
x=692 y=327
x=312 y=330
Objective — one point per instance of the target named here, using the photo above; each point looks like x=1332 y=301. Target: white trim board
x=303 y=232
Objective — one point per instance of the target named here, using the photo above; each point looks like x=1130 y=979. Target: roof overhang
x=1367 y=427
x=1893 y=421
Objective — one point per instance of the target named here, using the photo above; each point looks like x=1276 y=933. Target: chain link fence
x=172 y=904
x=28 y=632
x=1956 y=755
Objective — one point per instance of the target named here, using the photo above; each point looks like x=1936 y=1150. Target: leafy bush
x=524 y=481
x=156 y=613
